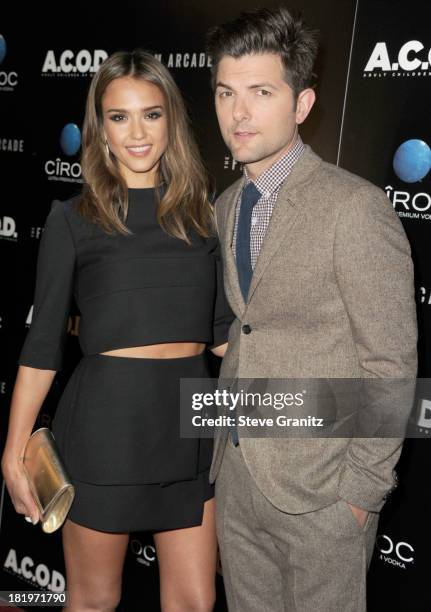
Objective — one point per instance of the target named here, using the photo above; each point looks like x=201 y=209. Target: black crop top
x=144 y=288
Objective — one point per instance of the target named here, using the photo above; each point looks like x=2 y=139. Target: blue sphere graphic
x=2 y=48
x=70 y=139
x=412 y=160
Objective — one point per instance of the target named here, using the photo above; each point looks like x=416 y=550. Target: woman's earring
x=107 y=148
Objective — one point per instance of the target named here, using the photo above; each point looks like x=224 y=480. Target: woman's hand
x=220 y=350
x=30 y=390
x=19 y=490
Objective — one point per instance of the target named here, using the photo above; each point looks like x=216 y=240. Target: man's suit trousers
x=275 y=561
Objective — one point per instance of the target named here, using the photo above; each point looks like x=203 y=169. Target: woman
x=137 y=251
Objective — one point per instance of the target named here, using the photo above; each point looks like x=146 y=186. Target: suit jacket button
x=246 y=329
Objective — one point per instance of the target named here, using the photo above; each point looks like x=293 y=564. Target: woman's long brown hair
x=104 y=200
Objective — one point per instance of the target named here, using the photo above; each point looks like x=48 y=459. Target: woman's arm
x=31 y=388
x=223 y=315
x=42 y=352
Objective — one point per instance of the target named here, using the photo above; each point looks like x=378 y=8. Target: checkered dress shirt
x=268 y=184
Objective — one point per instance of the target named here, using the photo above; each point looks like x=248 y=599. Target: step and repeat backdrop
x=372 y=117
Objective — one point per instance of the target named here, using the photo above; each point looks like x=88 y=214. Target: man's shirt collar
x=271 y=179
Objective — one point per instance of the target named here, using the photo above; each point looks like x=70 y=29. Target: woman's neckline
x=141 y=188
x=162 y=184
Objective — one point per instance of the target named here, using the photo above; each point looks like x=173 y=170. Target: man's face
x=256 y=109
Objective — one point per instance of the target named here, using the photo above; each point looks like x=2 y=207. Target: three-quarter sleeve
x=223 y=315
x=44 y=344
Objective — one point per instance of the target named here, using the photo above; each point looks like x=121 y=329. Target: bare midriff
x=168 y=350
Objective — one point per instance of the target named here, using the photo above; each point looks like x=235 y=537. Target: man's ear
x=304 y=104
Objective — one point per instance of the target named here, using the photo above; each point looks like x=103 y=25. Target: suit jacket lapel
x=232 y=273
x=284 y=214
x=281 y=221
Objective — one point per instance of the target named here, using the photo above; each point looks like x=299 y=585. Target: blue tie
x=250 y=195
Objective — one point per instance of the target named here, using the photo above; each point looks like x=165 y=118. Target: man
x=312 y=257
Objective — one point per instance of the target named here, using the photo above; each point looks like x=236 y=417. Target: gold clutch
x=49 y=482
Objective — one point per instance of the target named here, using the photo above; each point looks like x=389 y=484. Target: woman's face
x=136 y=129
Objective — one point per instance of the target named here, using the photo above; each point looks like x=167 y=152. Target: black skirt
x=117 y=427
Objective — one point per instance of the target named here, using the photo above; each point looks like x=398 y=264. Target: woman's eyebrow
x=123 y=110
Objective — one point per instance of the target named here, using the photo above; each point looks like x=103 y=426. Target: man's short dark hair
x=268 y=31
